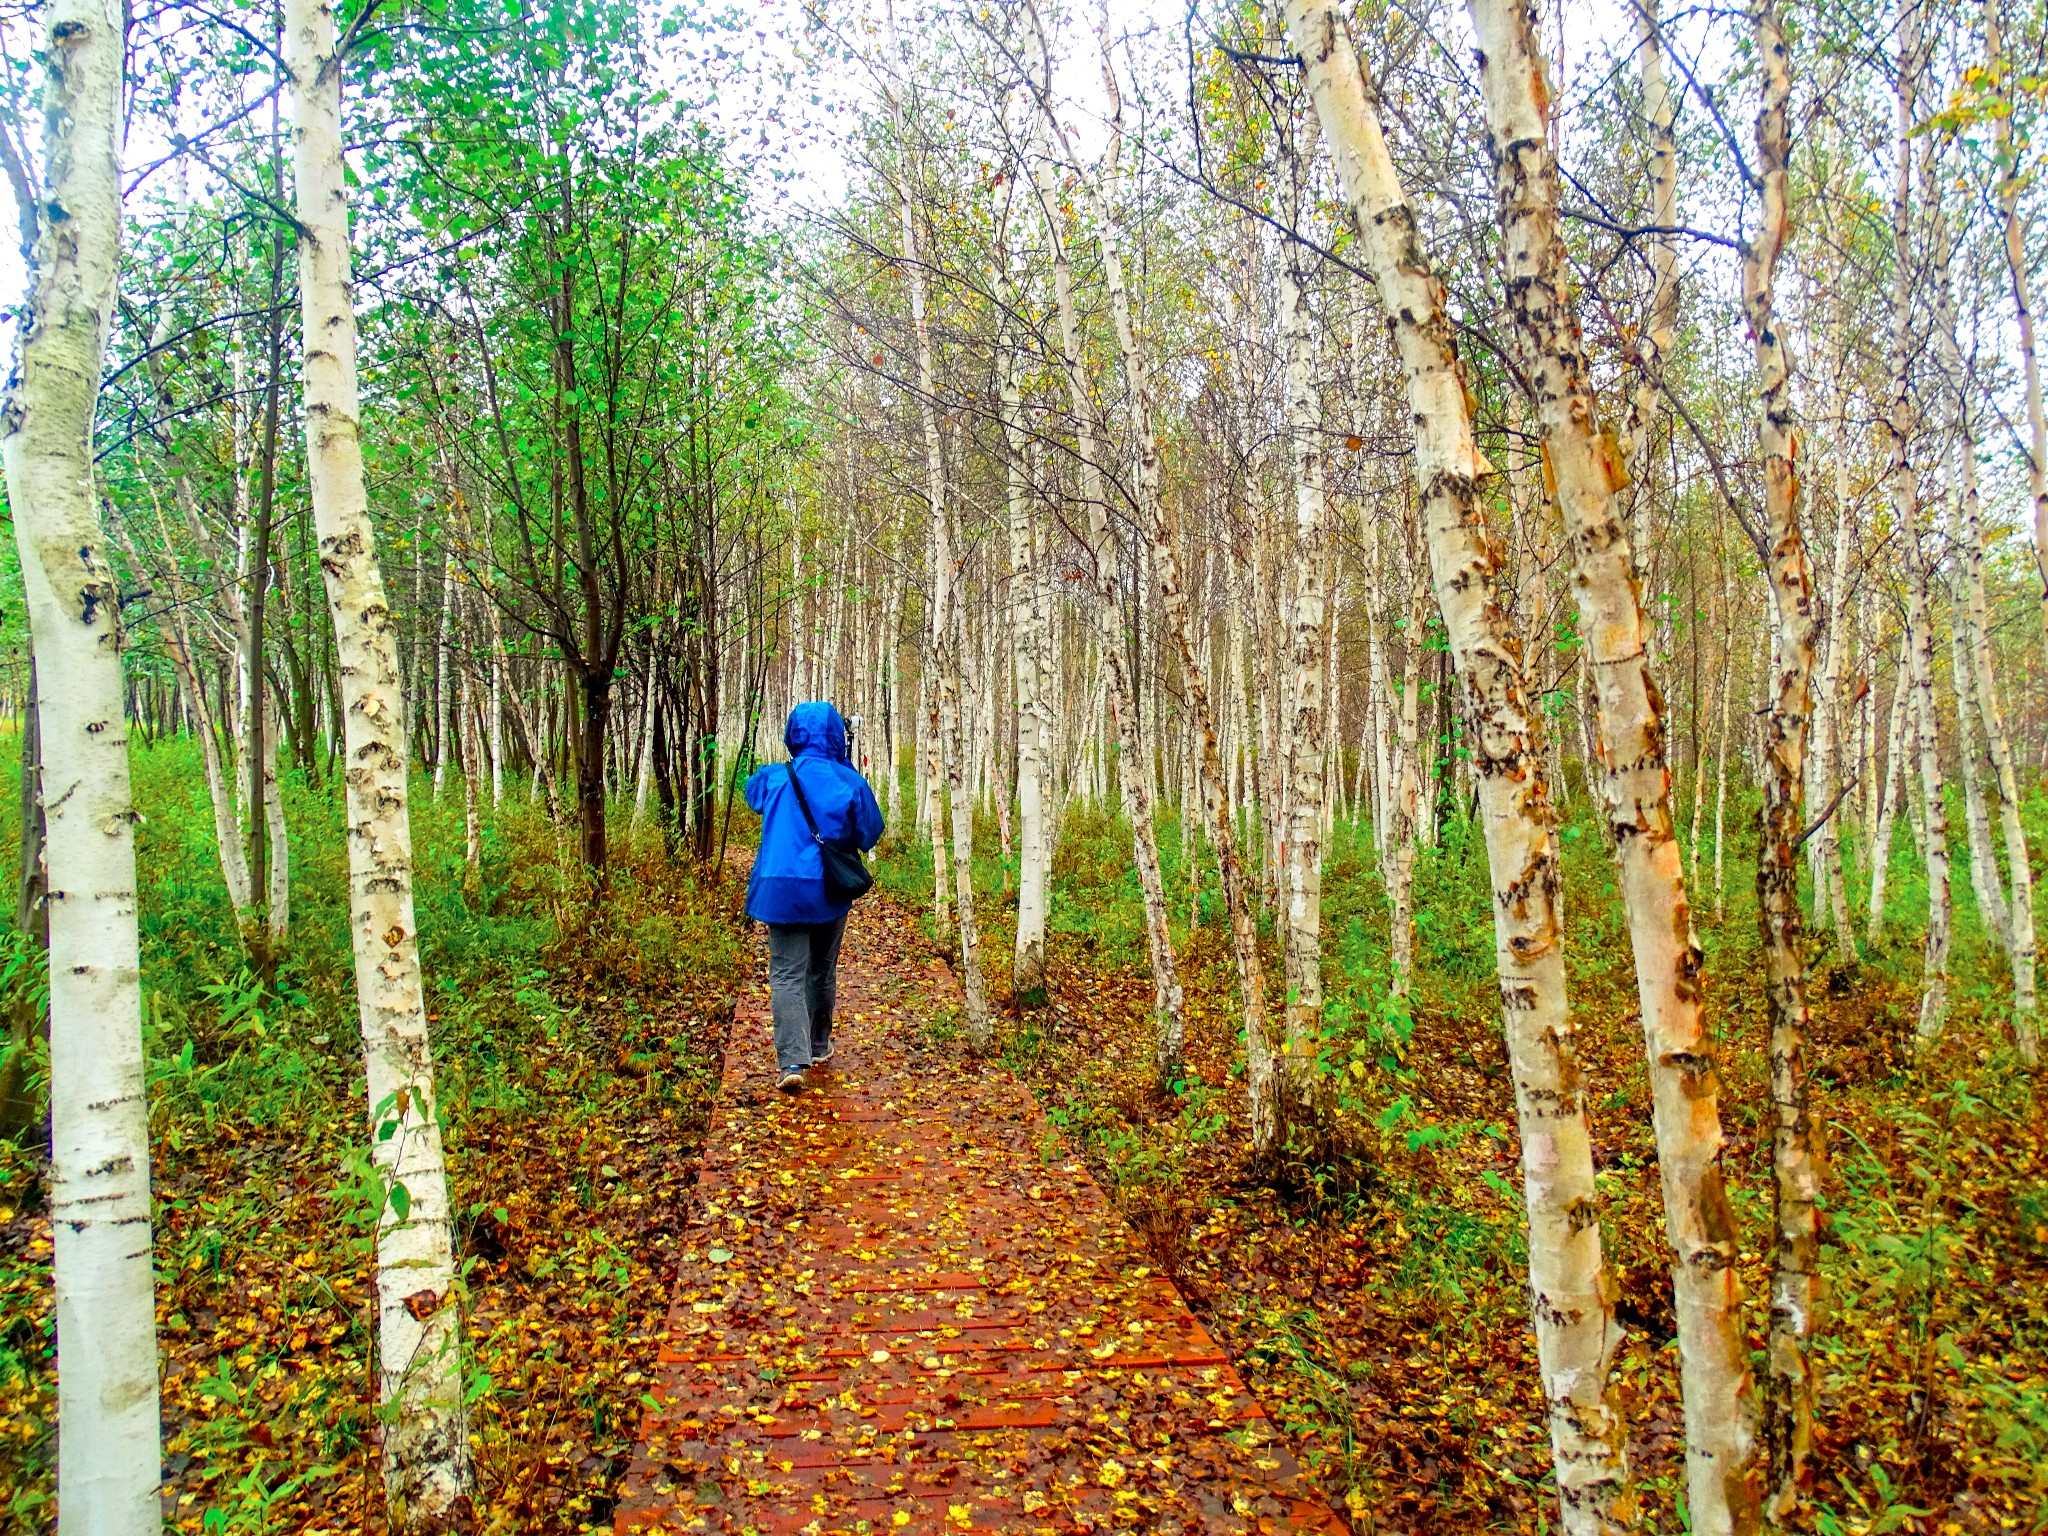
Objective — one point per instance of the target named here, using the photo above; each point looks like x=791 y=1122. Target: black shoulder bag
x=846 y=877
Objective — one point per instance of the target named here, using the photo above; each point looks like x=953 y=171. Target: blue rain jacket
x=788 y=883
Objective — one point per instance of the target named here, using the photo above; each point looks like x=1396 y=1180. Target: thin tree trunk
x=1132 y=768
x=2011 y=179
x=1977 y=679
x=1569 y=1289
x=1987 y=884
x=947 y=623
x=1306 y=699
x=1787 y=725
x=109 y=1441
x=1829 y=876
x=27 y=1019
x=441 y=679
x=1934 y=812
x=1027 y=976
x=1631 y=776
x=1901 y=425
x=427 y=1471
x=1888 y=802
x=177 y=637
x=643 y=767
x=277 y=838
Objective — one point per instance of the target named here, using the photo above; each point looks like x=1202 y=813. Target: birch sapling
x=1632 y=780
x=109 y=1458
x=427 y=1471
x=1576 y=1334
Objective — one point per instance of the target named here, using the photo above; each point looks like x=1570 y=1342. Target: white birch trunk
x=109 y=1459
x=1977 y=696
x=427 y=1472
x=1830 y=882
x=472 y=766
x=1888 y=803
x=1786 y=726
x=441 y=679
x=1934 y=812
x=643 y=769
x=1569 y=1290
x=1631 y=778
x=2011 y=180
x=1133 y=767
x=947 y=625
x=1034 y=860
x=1901 y=425
x=177 y=637
x=1987 y=884
x=1721 y=783
x=1306 y=701
x=278 y=833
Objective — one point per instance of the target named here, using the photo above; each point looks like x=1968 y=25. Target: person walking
x=815 y=809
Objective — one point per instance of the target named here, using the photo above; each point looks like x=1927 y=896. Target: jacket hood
x=816 y=728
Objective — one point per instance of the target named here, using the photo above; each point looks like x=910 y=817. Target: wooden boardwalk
x=905 y=1307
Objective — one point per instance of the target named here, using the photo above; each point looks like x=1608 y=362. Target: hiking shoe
x=792 y=1082
x=819 y=1058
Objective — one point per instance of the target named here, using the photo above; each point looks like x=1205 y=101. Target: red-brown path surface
x=905 y=1308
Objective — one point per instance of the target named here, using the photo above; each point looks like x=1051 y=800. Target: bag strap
x=803 y=801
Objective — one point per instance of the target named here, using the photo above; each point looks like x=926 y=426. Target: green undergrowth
x=576 y=1059
x=1371 y=1282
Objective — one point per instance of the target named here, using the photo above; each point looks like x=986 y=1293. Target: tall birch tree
x=1631 y=779
x=426 y=1456
x=1576 y=1334
x=108 y=1438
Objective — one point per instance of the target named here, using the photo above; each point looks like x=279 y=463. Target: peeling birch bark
x=1787 y=724
x=427 y=1470
x=1570 y=1294
x=1632 y=778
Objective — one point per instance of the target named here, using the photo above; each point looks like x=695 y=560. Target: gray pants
x=803 y=982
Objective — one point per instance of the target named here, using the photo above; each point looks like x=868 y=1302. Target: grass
x=575 y=1067
x=1379 y=1309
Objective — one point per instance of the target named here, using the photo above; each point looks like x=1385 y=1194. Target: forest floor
x=903 y=1307
x=1369 y=1287
x=577 y=1065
